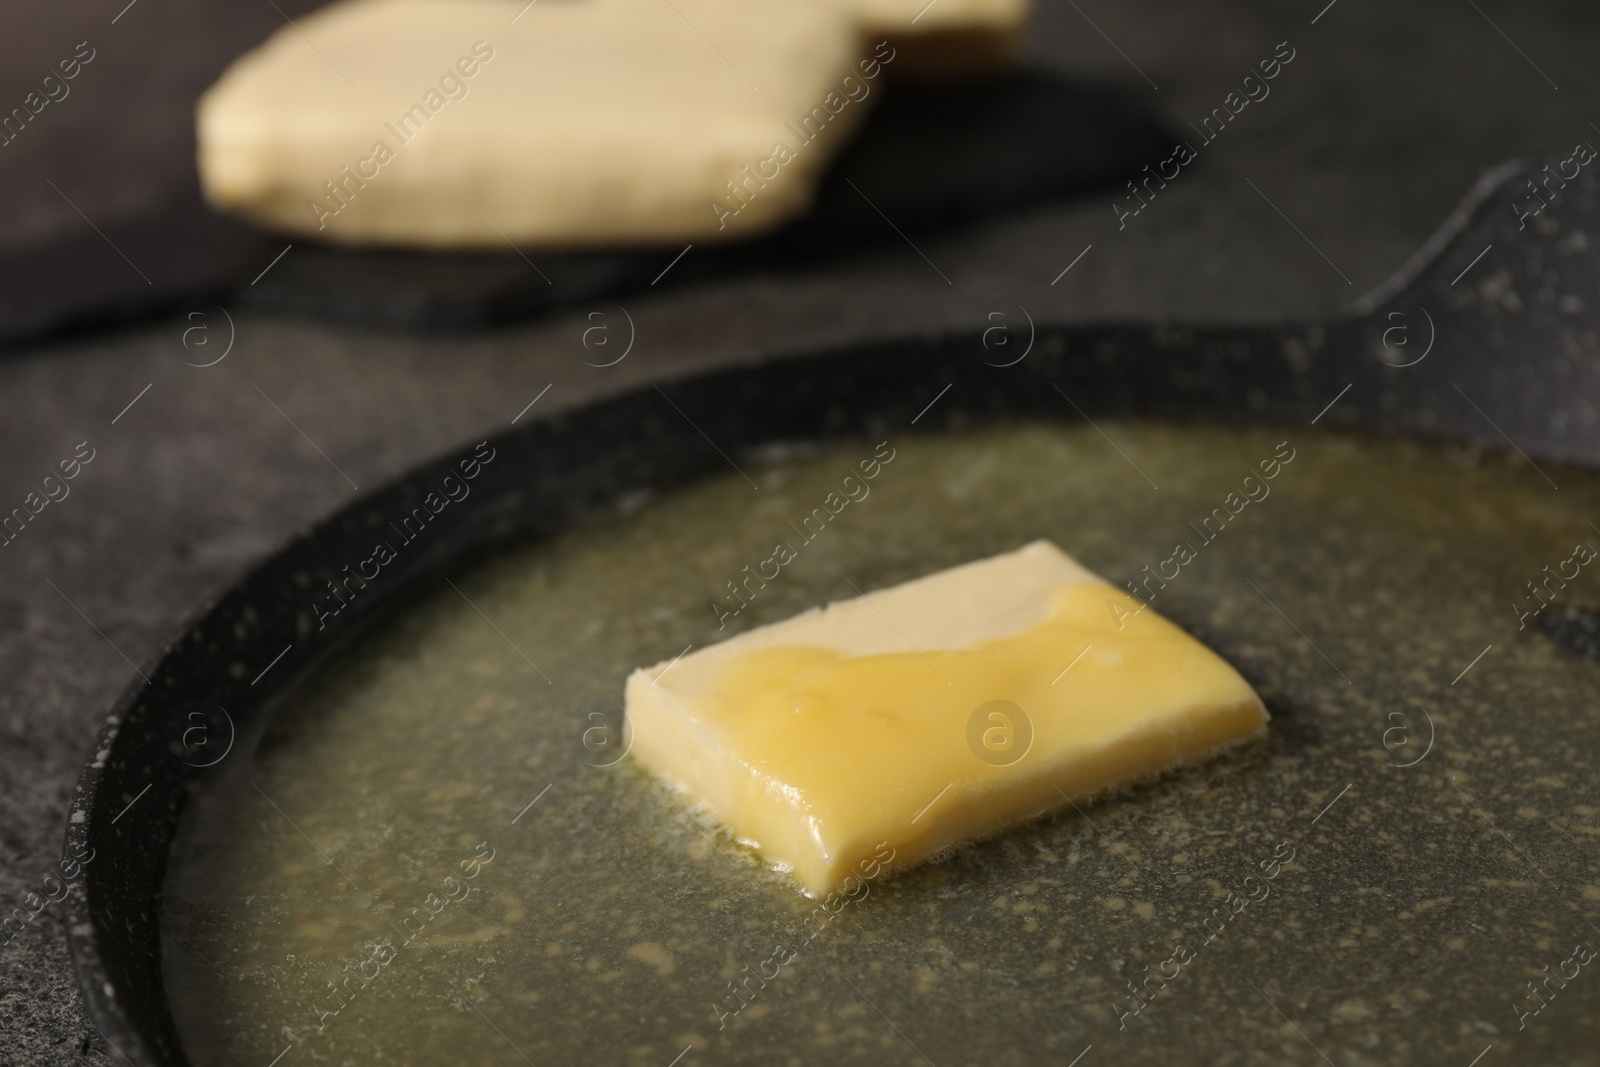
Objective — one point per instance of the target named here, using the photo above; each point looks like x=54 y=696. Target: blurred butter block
x=946 y=37
x=474 y=123
x=935 y=712
x=923 y=39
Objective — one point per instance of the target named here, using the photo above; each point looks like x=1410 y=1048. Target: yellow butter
x=934 y=713
x=948 y=37
x=483 y=123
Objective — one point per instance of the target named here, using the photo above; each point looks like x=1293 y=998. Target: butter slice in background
x=816 y=739
x=918 y=16
x=592 y=124
x=948 y=37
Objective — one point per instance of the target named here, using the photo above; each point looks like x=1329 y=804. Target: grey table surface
x=1311 y=196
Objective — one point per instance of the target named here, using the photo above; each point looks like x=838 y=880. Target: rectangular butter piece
x=933 y=713
x=474 y=123
x=950 y=37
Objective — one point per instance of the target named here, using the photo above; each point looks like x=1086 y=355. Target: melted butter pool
x=436 y=856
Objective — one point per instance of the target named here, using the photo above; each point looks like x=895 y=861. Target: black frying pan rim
x=874 y=388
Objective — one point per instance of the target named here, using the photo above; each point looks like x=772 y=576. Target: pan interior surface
x=440 y=852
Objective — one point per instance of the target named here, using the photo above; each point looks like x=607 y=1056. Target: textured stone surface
x=1367 y=140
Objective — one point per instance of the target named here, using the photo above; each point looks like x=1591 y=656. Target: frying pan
x=1484 y=337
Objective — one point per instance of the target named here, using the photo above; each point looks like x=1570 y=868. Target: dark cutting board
x=929 y=158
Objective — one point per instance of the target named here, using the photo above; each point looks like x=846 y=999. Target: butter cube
x=948 y=37
x=934 y=713
x=478 y=123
